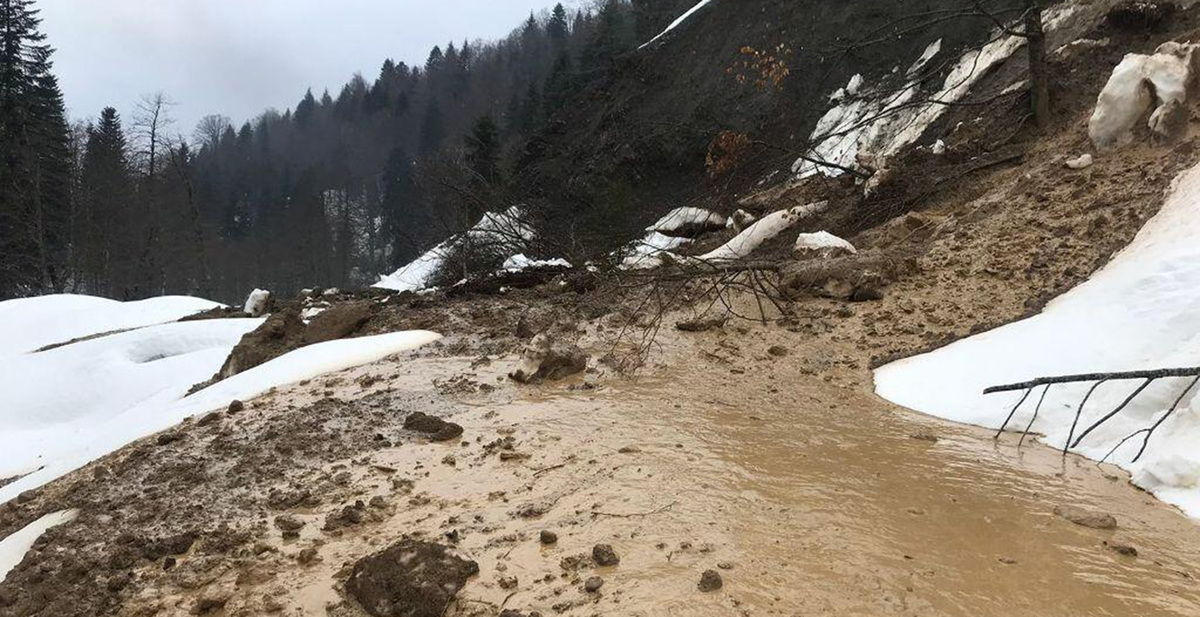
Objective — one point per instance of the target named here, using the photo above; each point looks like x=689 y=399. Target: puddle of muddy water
x=808 y=496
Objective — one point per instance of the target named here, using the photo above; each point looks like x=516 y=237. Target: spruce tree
x=106 y=188
x=483 y=149
x=33 y=156
x=557 y=27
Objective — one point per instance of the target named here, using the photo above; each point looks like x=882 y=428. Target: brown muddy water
x=809 y=495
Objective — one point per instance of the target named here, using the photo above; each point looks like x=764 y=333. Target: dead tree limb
x=1117 y=376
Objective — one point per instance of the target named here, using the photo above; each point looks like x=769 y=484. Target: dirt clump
x=710 y=580
x=410 y=578
x=437 y=428
x=337 y=322
x=604 y=555
x=280 y=333
x=701 y=324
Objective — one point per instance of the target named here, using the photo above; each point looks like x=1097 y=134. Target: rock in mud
x=410 y=579
x=437 y=428
x=701 y=324
x=710 y=581
x=779 y=351
x=604 y=555
x=593 y=584
x=236 y=406
x=1122 y=548
x=337 y=322
x=545 y=358
x=1086 y=518
x=548 y=537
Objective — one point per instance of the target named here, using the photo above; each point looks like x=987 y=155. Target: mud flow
x=807 y=495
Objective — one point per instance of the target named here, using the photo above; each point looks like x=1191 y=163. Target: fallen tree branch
x=1041 y=381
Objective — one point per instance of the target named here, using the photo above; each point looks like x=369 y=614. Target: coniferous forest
x=332 y=192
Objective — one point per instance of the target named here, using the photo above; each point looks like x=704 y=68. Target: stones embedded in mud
x=701 y=324
x=410 y=578
x=547 y=537
x=507 y=582
x=593 y=584
x=604 y=555
x=348 y=516
x=544 y=358
x=924 y=436
x=1122 y=548
x=710 y=580
x=236 y=406
x=307 y=556
x=1086 y=518
x=437 y=428
x=779 y=351
x=289 y=525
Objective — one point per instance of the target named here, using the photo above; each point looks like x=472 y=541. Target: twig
x=635 y=514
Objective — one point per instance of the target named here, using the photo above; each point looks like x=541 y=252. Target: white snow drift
x=499 y=231
x=520 y=263
x=1142 y=311
x=648 y=253
x=28 y=324
x=1139 y=81
x=67 y=406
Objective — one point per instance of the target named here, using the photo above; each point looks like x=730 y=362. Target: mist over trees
x=343 y=187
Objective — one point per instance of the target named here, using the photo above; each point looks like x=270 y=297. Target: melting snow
x=504 y=230
x=685 y=218
x=679 y=20
x=14 y=547
x=765 y=229
x=1142 y=311
x=519 y=263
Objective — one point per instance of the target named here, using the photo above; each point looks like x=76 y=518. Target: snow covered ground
x=67 y=406
x=1142 y=311
x=679 y=20
x=28 y=324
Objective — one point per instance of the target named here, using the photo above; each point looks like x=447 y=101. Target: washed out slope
x=1141 y=311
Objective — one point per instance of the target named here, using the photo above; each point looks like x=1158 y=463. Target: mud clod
x=437 y=428
x=593 y=584
x=605 y=555
x=411 y=579
x=1085 y=518
x=710 y=581
x=548 y=537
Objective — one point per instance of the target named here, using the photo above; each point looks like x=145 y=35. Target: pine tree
x=306 y=109
x=560 y=84
x=33 y=156
x=106 y=188
x=483 y=149
x=557 y=27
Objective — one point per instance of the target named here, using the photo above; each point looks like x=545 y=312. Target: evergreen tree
x=33 y=156
x=106 y=188
x=306 y=109
x=433 y=129
x=557 y=27
x=560 y=84
x=483 y=149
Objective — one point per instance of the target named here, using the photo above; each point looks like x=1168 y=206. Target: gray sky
x=238 y=57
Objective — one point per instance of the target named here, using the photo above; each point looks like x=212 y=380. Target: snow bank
x=822 y=242
x=520 y=263
x=256 y=303
x=1141 y=311
x=1139 y=81
x=648 y=253
x=14 y=547
x=28 y=324
x=678 y=20
x=765 y=229
x=686 y=219
x=495 y=230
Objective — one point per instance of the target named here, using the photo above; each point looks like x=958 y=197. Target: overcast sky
x=238 y=57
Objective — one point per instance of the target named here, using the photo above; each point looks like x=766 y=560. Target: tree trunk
x=1039 y=80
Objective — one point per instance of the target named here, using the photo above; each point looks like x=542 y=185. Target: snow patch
x=688 y=218
x=1083 y=161
x=648 y=253
x=765 y=229
x=675 y=24
x=28 y=324
x=1141 y=311
x=822 y=241
x=14 y=547
x=520 y=263
x=256 y=303
x=495 y=230
x=1139 y=81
